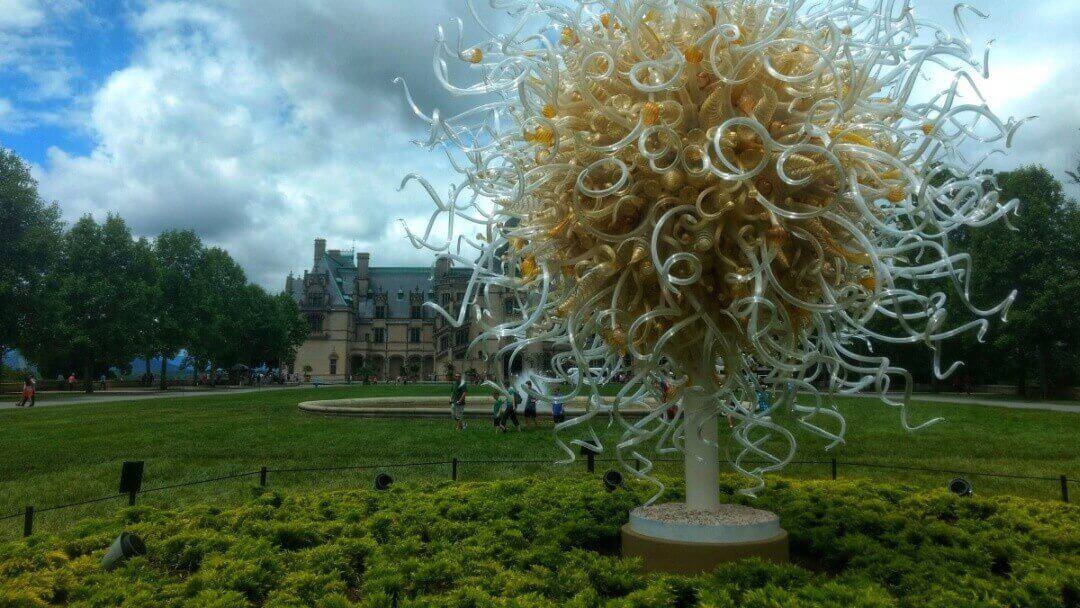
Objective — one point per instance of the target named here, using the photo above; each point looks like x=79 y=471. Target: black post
x=28 y=521
x=262 y=477
x=131 y=498
x=1064 y=489
x=834 y=468
x=453 y=469
x=590 y=463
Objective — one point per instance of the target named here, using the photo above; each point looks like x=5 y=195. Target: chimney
x=442 y=266
x=320 y=250
x=363 y=266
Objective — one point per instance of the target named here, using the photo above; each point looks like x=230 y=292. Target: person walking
x=498 y=418
x=71 y=381
x=29 y=392
x=557 y=413
x=457 y=402
x=530 y=405
x=666 y=394
x=510 y=411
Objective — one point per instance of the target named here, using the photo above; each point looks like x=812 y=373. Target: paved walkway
x=8 y=401
x=1006 y=403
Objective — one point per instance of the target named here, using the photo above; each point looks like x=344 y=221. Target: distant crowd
x=505 y=407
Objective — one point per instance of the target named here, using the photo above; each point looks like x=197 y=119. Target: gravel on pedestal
x=726 y=515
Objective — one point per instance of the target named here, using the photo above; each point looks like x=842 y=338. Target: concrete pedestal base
x=670 y=539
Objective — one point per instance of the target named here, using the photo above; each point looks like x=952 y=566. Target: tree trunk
x=164 y=368
x=1044 y=371
x=700 y=455
x=1021 y=380
x=88 y=377
x=145 y=380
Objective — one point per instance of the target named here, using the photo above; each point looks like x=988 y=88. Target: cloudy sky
x=262 y=124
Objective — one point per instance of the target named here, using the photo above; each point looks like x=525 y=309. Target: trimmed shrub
x=554 y=542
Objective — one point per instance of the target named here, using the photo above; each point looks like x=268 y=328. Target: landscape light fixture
x=612 y=480
x=383 y=481
x=124 y=547
x=961 y=487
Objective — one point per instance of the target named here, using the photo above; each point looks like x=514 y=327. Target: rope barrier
x=1062 y=478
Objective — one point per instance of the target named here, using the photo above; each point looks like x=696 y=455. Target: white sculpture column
x=700 y=453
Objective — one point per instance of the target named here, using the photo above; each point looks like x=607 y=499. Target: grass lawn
x=65 y=454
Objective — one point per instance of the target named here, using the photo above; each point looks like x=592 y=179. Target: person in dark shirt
x=457 y=402
x=510 y=412
x=530 y=406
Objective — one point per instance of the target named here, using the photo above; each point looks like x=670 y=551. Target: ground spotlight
x=612 y=480
x=960 y=487
x=383 y=481
x=125 y=546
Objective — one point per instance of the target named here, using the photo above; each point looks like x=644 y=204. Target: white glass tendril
x=720 y=196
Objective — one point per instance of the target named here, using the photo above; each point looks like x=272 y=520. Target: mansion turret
x=368 y=320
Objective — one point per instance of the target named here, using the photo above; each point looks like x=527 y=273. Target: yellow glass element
x=474 y=56
x=529 y=269
x=650 y=113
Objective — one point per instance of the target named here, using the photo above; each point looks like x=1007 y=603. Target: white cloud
x=20 y=14
x=35 y=53
x=259 y=143
x=10 y=118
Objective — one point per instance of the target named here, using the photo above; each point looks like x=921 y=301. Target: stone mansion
x=368 y=320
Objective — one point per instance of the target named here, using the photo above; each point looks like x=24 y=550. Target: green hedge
x=554 y=542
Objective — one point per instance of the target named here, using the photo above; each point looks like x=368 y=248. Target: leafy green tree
x=179 y=295
x=104 y=287
x=220 y=281
x=295 y=329
x=1041 y=260
x=31 y=237
x=270 y=328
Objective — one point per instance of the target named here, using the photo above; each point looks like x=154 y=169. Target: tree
x=178 y=294
x=270 y=328
x=104 y=286
x=1041 y=260
x=295 y=329
x=31 y=235
x=221 y=282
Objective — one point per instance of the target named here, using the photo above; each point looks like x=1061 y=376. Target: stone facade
x=371 y=321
